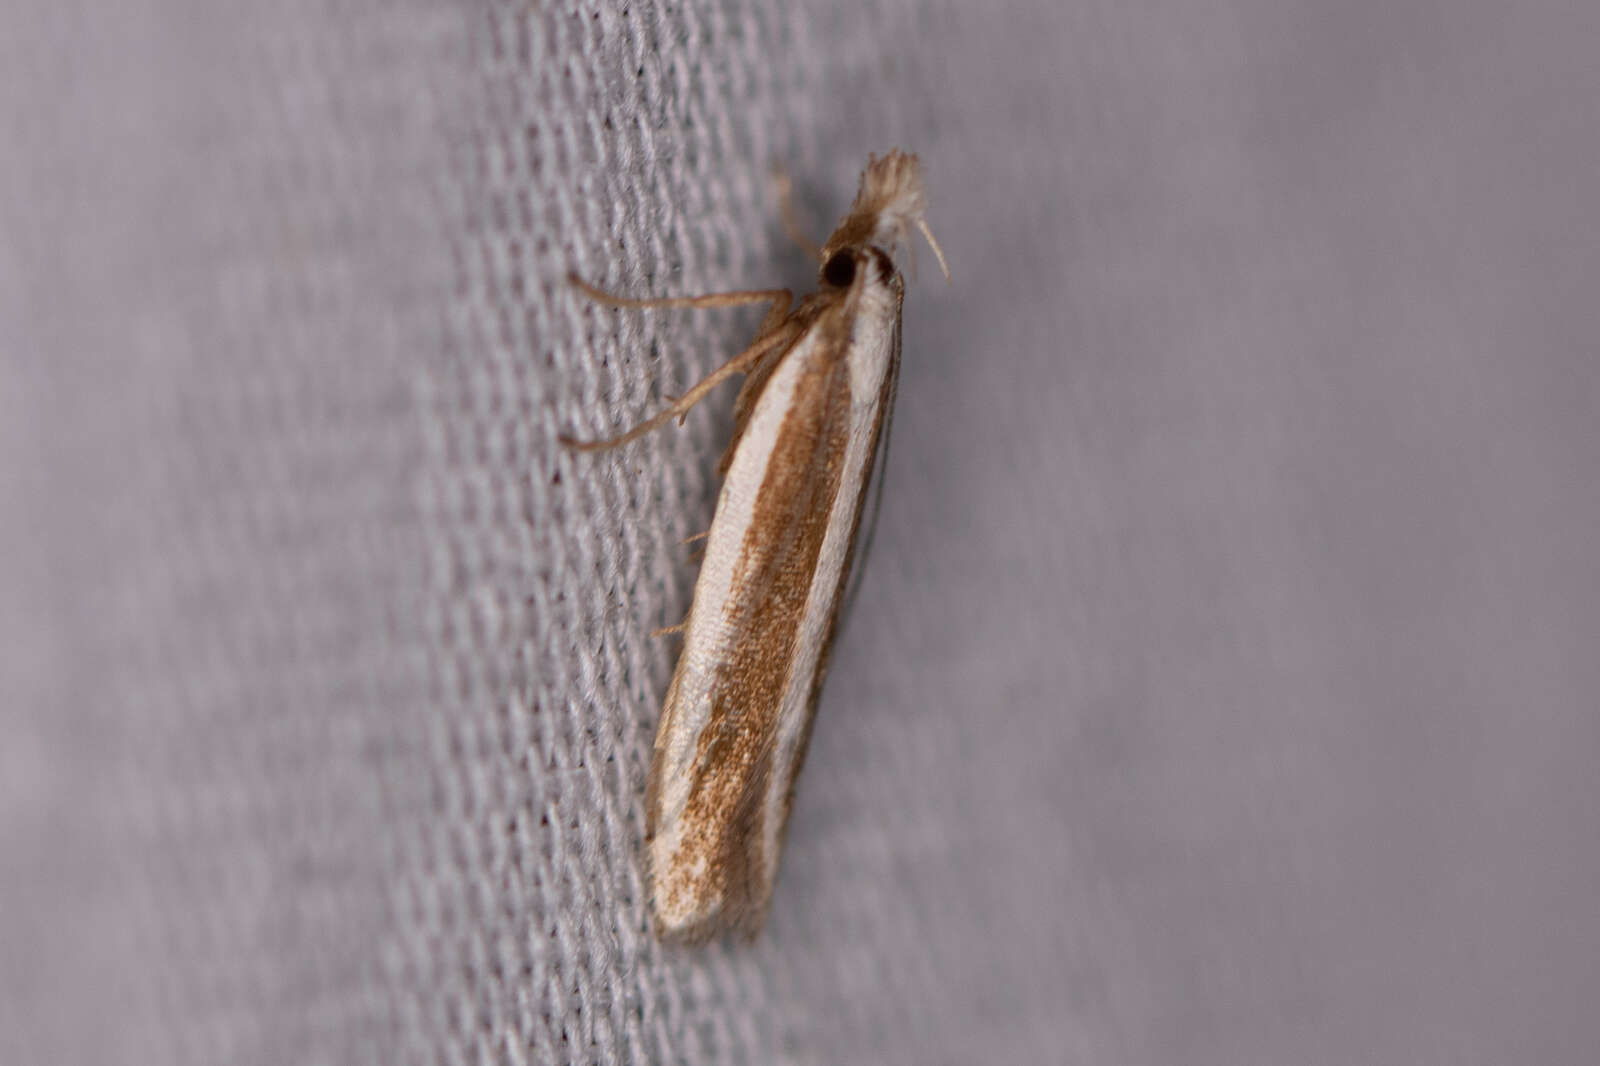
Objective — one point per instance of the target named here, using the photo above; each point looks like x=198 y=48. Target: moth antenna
x=783 y=187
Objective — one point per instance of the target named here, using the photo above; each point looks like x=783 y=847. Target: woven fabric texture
x=1222 y=686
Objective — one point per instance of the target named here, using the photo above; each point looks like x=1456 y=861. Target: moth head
x=889 y=203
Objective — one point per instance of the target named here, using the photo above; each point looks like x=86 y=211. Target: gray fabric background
x=1223 y=685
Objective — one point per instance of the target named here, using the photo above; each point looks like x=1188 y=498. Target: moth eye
x=840 y=271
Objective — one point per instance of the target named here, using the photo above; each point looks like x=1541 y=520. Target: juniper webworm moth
x=809 y=423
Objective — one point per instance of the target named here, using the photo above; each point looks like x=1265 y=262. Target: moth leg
x=774 y=316
x=745 y=402
x=667 y=631
x=777 y=297
x=783 y=188
x=772 y=336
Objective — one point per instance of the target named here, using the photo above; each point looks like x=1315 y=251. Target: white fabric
x=1222 y=685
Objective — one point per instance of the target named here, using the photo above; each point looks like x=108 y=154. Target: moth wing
x=778 y=558
x=720 y=761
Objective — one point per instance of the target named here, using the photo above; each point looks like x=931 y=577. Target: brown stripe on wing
x=733 y=760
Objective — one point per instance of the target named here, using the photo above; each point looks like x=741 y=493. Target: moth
x=809 y=425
